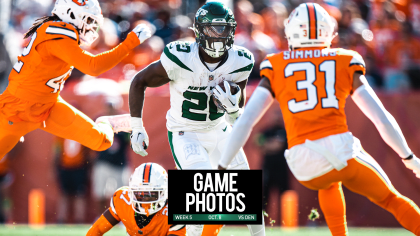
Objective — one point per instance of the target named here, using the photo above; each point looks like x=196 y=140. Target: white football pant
x=202 y=150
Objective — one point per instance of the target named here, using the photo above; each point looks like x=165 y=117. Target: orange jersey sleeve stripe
x=312 y=21
x=62 y=31
x=146 y=173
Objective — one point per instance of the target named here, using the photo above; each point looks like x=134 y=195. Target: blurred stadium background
x=38 y=172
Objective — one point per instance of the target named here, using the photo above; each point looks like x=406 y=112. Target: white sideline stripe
x=69 y=33
x=176 y=227
x=265 y=64
x=368 y=159
x=112 y=205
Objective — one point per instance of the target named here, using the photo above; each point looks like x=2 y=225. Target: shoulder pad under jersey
x=243 y=59
x=178 y=54
x=56 y=30
x=356 y=59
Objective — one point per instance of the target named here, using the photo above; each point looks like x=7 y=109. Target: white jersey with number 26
x=191 y=83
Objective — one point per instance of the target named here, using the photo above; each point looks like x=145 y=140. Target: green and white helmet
x=214 y=27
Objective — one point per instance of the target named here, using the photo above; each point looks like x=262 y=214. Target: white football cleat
x=119 y=123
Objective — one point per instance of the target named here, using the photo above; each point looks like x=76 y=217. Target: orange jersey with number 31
x=122 y=210
x=312 y=85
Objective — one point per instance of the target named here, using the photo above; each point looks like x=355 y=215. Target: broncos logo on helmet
x=80 y=2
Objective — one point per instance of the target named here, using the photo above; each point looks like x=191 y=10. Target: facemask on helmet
x=214 y=27
x=147 y=201
x=85 y=15
x=148 y=188
x=89 y=29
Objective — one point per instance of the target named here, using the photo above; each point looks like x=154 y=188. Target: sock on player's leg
x=257 y=230
x=211 y=230
x=194 y=230
x=333 y=206
x=404 y=210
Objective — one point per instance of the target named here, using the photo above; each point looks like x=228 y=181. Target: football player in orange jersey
x=311 y=83
x=142 y=206
x=31 y=100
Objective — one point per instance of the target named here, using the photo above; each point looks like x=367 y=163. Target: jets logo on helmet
x=201 y=12
x=80 y=2
x=148 y=188
x=214 y=28
x=309 y=25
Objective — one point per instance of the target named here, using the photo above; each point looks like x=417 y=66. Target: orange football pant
x=211 y=230
x=365 y=177
x=64 y=121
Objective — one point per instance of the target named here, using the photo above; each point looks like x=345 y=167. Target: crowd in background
x=386 y=33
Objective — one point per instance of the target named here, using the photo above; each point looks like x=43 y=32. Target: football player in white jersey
x=197 y=129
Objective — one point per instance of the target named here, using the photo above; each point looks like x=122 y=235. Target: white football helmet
x=148 y=188
x=85 y=15
x=309 y=25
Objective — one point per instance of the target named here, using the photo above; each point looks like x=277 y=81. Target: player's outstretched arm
x=153 y=75
x=258 y=104
x=70 y=52
x=103 y=224
x=366 y=99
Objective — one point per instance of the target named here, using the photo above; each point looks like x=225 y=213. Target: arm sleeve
x=258 y=104
x=266 y=70
x=100 y=227
x=366 y=99
x=68 y=51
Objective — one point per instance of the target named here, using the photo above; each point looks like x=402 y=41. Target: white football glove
x=229 y=101
x=414 y=165
x=139 y=137
x=143 y=32
x=232 y=117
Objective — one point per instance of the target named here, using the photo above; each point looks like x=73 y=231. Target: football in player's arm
x=142 y=206
x=197 y=72
x=155 y=75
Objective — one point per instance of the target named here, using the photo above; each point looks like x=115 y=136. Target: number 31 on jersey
x=328 y=67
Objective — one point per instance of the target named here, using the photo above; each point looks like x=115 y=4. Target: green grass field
x=67 y=230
